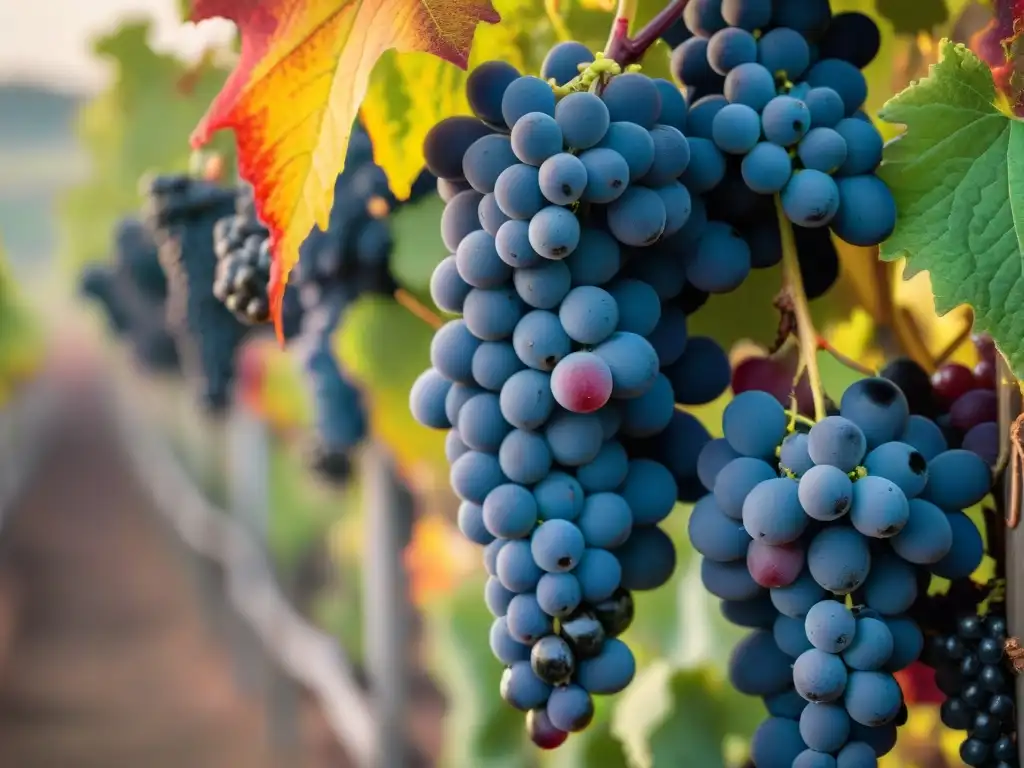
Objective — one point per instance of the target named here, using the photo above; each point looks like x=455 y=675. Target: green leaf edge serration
x=957 y=175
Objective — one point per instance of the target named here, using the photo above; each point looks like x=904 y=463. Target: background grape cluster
x=182 y=212
x=242 y=245
x=132 y=293
x=971 y=670
x=821 y=542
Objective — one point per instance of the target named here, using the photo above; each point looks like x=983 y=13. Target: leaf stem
x=806 y=333
x=826 y=346
x=418 y=308
x=626 y=50
x=554 y=14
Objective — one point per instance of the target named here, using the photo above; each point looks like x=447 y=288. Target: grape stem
x=825 y=345
x=626 y=50
x=806 y=334
x=418 y=308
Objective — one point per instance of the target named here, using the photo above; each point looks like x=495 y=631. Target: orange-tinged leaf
x=303 y=72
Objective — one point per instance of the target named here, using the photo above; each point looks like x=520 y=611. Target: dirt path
x=105 y=658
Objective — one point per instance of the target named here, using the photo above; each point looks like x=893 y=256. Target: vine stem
x=806 y=333
x=826 y=346
x=418 y=308
x=625 y=50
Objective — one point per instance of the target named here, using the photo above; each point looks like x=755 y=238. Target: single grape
x=750 y=84
x=879 y=508
x=810 y=198
x=561 y=63
x=730 y=47
x=583 y=118
x=785 y=120
x=521 y=688
x=901 y=464
x=867 y=211
x=767 y=168
x=637 y=217
x=607 y=175
x=525 y=95
x=554 y=233
x=633 y=97
x=598 y=574
x=485 y=159
x=485 y=88
x=633 y=143
x=772 y=513
x=872 y=645
x=552 y=660
x=825 y=492
x=736 y=128
x=819 y=677
x=758 y=667
x=716 y=536
x=839 y=559
x=754 y=424
x=863 y=146
x=927 y=537
x=830 y=626
x=846 y=79
x=872 y=698
x=774 y=566
x=584 y=634
x=570 y=708
x=822 y=149
x=824 y=727
x=562 y=178
x=878 y=407
x=784 y=52
x=542 y=731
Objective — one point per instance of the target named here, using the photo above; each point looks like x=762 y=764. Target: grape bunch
x=971 y=669
x=962 y=401
x=96 y=283
x=133 y=291
x=566 y=216
x=821 y=543
x=242 y=245
x=182 y=212
x=776 y=96
x=336 y=266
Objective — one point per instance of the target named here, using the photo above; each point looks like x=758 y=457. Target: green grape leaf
x=957 y=174
x=416 y=231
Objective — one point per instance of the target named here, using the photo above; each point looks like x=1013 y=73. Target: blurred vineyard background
x=71 y=165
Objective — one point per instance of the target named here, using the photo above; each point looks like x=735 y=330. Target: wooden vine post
x=1011 y=407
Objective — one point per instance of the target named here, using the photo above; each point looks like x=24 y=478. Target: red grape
x=985 y=374
x=581 y=382
x=774 y=566
x=973 y=408
x=985 y=346
x=983 y=439
x=775 y=377
x=542 y=732
x=951 y=381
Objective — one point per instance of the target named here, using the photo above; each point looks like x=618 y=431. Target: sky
x=47 y=41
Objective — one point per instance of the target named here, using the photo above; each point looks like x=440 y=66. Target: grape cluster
x=566 y=218
x=242 y=245
x=336 y=266
x=776 y=92
x=132 y=291
x=821 y=542
x=962 y=401
x=971 y=670
x=182 y=211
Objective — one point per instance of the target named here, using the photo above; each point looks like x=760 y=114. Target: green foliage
x=955 y=173
x=140 y=125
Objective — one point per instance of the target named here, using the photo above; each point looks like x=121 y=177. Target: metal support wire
x=309 y=656
x=388 y=511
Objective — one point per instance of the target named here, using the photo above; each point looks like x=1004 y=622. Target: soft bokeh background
x=95 y=94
